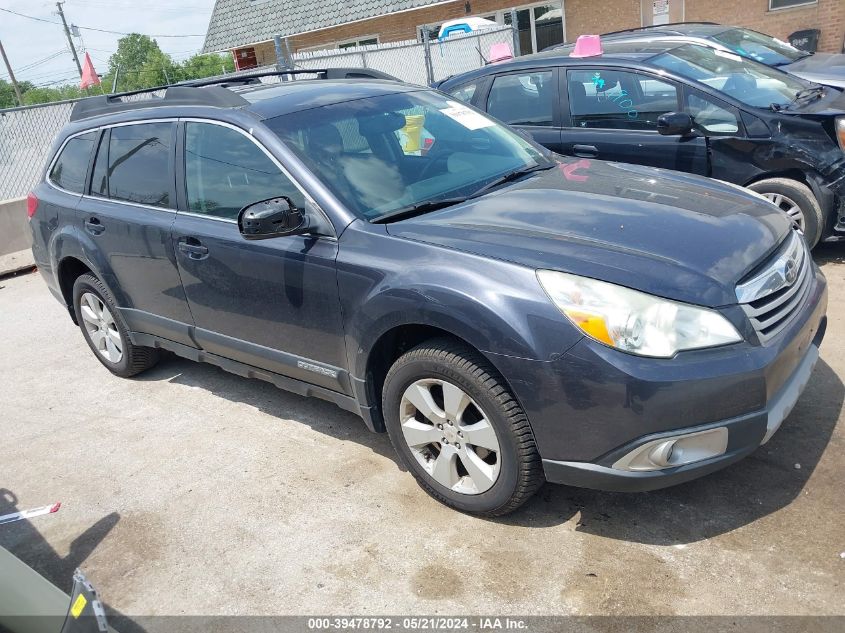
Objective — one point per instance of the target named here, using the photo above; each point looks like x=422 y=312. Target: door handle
x=94 y=226
x=585 y=151
x=193 y=248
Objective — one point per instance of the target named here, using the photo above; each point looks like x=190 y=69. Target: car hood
x=667 y=233
x=823 y=68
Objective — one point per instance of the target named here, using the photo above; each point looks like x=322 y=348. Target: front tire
x=104 y=331
x=798 y=202
x=458 y=429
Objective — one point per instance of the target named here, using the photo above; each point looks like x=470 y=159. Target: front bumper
x=594 y=405
x=745 y=434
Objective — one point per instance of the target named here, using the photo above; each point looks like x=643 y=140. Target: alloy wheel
x=450 y=436
x=788 y=206
x=101 y=327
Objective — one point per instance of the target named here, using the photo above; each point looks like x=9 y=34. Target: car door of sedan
x=526 y=99
x=611 y=114
x=269 y=303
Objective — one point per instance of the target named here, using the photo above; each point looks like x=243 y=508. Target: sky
x=44 y=48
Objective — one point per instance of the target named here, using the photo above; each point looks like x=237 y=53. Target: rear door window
x=522 y=98
x=608 y=98
x=140 y=164
x=71 y=166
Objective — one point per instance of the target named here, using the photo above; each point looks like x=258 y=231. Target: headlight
x=840 y=132
x=634 y=321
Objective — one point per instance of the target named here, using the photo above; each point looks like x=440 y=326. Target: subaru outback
x=508 y=316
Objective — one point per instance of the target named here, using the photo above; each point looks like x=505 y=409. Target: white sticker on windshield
x=726 y=55
x=470 y=119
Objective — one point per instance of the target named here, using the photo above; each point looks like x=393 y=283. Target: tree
x=141 y=64
x=200 y=66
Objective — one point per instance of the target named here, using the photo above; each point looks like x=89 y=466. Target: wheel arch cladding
x=71 y=247
x=69 y=270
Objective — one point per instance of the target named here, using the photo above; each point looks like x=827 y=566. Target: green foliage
x=141 y=63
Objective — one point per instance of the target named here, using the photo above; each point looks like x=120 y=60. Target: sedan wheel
x=450 y=436
x=788 y=206
x=101 y=327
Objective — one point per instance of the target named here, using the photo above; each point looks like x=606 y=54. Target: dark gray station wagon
x=507 y=316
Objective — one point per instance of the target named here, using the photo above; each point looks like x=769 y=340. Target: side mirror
x=275 y=217
x=674 y=124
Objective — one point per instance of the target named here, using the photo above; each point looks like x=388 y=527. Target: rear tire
x=798 y=201
x=472 y=421
x=104 y=331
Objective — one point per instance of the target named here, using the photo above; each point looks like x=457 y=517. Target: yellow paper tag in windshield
x=78 y=606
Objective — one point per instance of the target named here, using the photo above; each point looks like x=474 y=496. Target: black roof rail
x=173 y=95
x=654 y=27
x=213 y=93
x=325 y=73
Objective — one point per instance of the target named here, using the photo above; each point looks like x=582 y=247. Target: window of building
x=70 y=167
x=140 y=163
x=540 y=25
x=361 y=41
x=225 y=171
x=614 y=99
x=522 y=98
x=774 y=5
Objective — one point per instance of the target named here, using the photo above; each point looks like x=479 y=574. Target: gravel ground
x=191 y=491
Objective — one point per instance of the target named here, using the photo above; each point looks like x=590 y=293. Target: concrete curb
x=13 y=262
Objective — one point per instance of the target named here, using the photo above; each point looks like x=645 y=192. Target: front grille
x=775 y=294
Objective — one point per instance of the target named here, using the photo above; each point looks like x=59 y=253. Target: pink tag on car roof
x=500 y=52
x=587 y=46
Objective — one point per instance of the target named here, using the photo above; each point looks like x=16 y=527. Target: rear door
x=270 y=303
x=526 y=99
x=128 y=216
x=611 y=114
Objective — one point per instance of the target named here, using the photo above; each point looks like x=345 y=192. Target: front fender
x=497 y=307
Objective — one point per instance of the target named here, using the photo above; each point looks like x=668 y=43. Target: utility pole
x=69 y=39
x=11 y=75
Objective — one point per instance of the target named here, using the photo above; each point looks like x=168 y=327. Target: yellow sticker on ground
x=78 y=606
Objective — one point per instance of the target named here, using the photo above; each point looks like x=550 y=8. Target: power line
x=91 y=28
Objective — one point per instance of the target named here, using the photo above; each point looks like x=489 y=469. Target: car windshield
x=764 y=48
x=751 y=82
x=395 y=151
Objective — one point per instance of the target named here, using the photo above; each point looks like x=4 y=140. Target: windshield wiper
x=815 y=92
x=511 y=176
x=417 y=209
x=806 y=93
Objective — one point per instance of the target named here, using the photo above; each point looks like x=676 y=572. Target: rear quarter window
x=71 y=166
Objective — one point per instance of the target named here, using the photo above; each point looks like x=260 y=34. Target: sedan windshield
x=385 y=154
x=764 y=48
x=751 y=82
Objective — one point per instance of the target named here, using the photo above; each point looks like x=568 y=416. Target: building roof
x=237 y=23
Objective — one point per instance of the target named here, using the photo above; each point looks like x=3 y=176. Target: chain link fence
x=27 y=133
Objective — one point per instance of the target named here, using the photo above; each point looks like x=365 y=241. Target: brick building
x=246 y=27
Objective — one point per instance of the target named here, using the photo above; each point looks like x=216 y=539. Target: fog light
x=678 y=450
x=661 y=455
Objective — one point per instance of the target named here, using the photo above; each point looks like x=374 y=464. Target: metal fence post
x=429 y=69
x=515 y=27
x=281 y=61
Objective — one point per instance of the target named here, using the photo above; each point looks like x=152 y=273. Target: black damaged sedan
x=686 y=107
